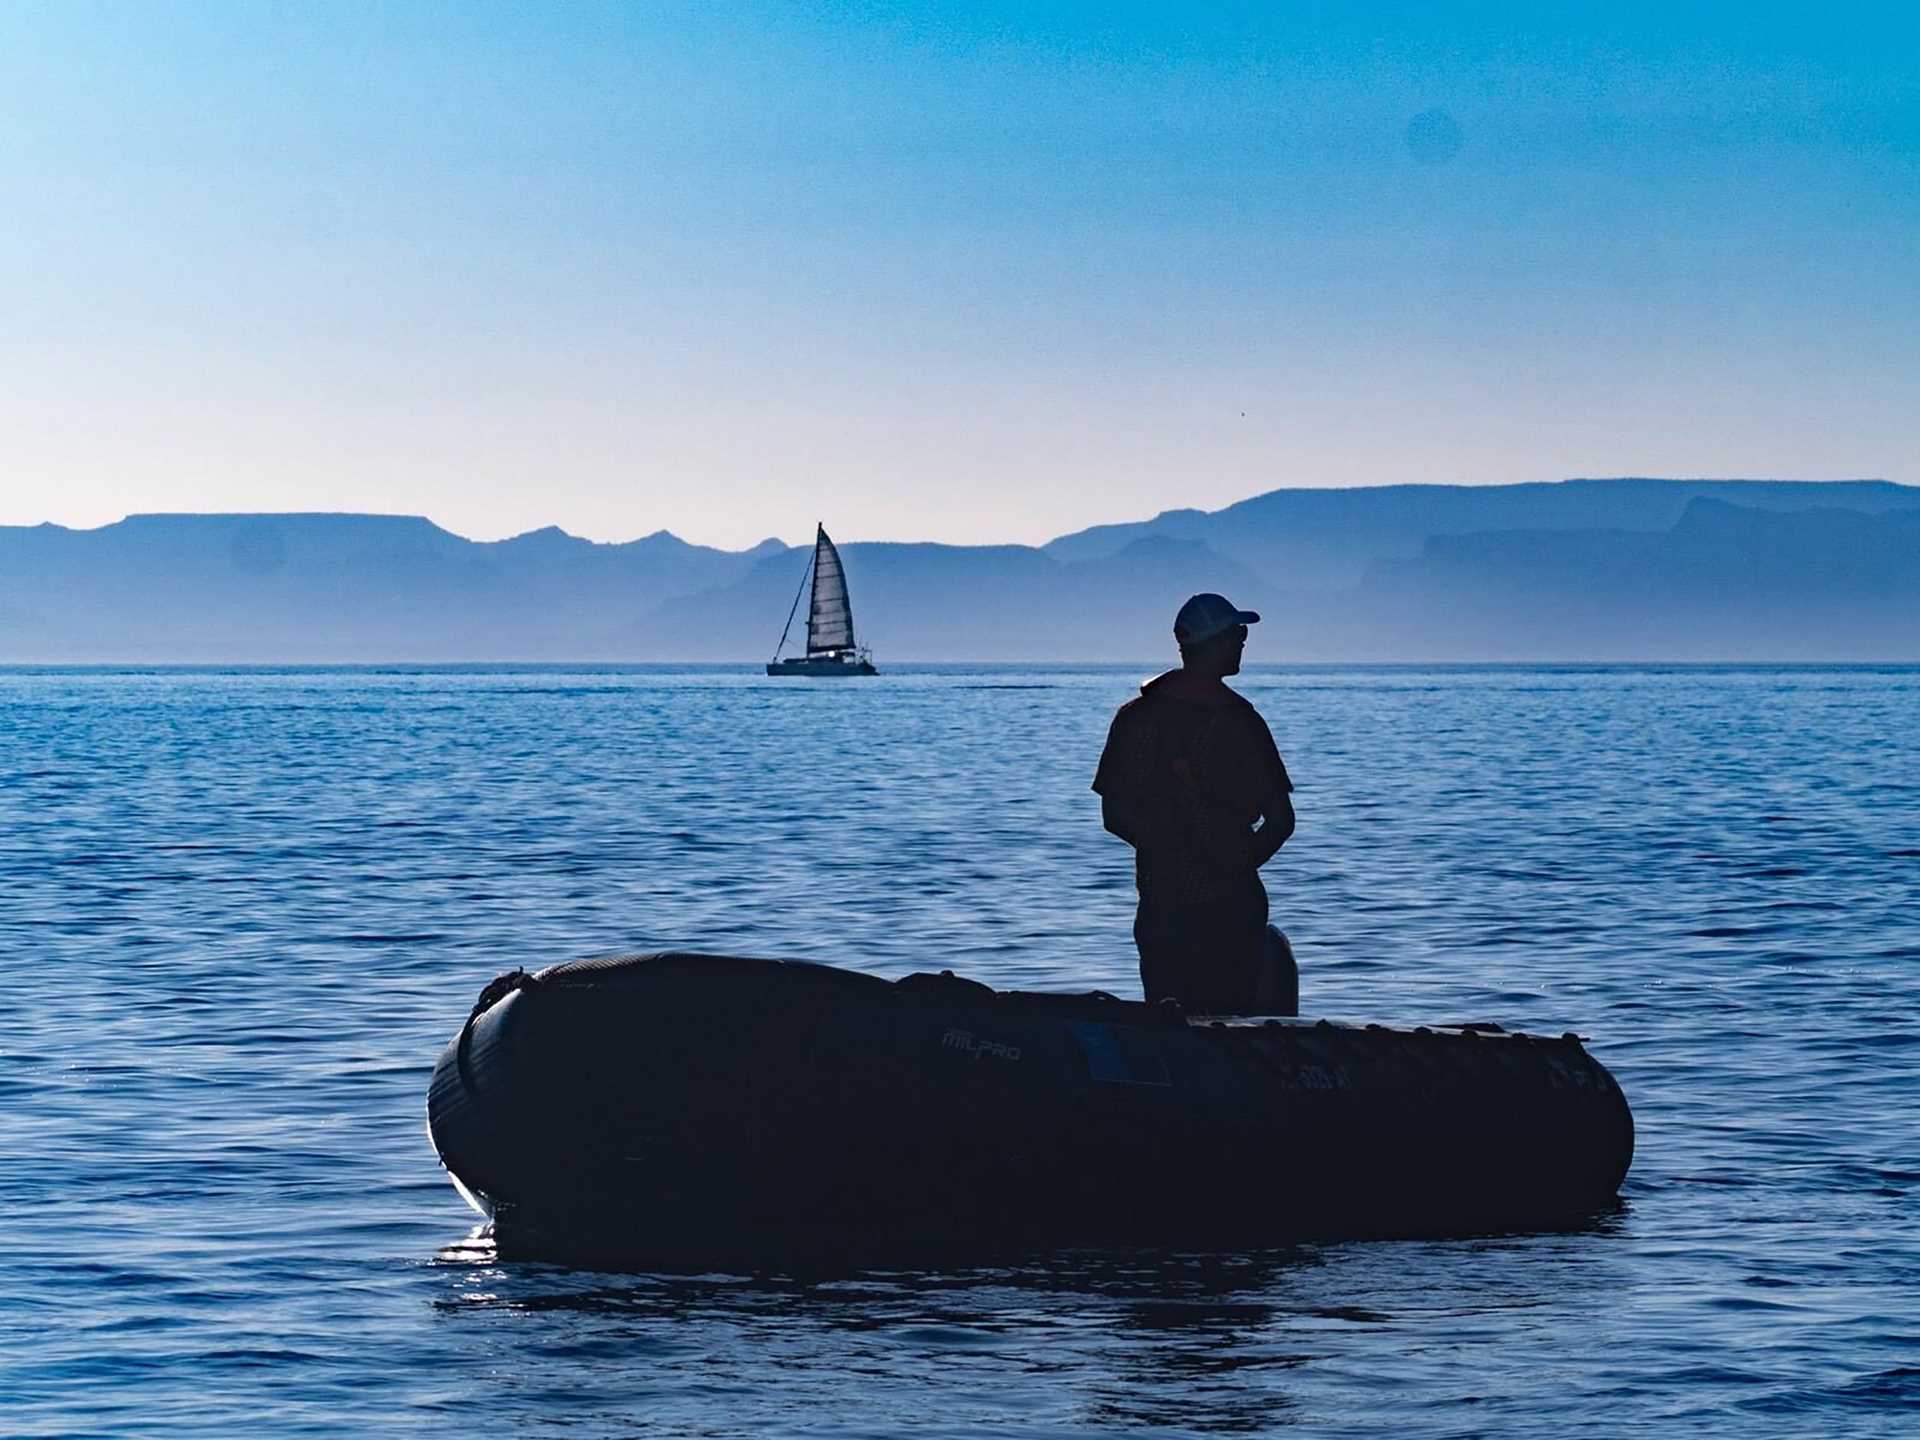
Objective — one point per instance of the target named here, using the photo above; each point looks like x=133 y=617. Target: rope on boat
x=497 y=990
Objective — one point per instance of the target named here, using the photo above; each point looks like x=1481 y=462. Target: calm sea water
x=243 y=910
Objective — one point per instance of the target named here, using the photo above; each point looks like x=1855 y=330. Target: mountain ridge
x=1371 y=573
x=1325 y=538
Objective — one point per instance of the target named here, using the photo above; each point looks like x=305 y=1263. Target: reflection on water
x=1202 y=1342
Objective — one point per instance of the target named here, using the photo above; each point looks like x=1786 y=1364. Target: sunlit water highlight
x=243 y=910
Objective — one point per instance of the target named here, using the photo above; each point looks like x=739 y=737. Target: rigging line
x=794 y=609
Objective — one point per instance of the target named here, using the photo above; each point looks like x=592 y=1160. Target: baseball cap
x=1205 y=616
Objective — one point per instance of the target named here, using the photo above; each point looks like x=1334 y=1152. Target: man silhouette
x=1188 y=768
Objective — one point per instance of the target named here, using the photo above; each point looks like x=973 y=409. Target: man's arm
x=1120 y=819
x=1274 y=831
x=1120 y=775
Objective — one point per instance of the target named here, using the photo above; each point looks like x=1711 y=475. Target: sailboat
x=830 y=645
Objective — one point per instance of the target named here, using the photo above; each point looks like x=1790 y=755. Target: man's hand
x=1275 y=831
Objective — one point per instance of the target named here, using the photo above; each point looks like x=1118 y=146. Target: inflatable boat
x=688 y=1110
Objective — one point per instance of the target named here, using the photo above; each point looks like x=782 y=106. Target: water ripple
x=246 y=908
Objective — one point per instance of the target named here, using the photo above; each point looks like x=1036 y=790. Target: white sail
x=831 y=648
x=830 y=619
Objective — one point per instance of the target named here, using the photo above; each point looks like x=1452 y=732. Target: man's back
x=1196 y=765
x=1188 y=768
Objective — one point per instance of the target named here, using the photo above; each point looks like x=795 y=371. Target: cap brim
x=1240 y=617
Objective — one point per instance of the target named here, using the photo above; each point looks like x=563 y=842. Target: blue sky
x=966 y=273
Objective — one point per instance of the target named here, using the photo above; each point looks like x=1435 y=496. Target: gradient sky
x=972 y=272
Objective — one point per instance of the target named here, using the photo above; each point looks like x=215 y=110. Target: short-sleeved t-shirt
x=1196 y=775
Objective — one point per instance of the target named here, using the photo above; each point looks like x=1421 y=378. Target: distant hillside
x=1724 y=583
x=1002 y=602
x=319 y=588
x=1319 y=539
x=1584 y=570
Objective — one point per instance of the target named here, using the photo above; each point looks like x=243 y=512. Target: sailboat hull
x=820 y=666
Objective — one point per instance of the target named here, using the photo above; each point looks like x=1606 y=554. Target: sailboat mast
x=794 y=609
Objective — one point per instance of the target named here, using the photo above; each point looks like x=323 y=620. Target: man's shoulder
x=1253 y=727
x=1133 y=728
x=1248 y=709
x=1156 y=701
x=1143 y=707
x=1130 y=744
x=1240 y=702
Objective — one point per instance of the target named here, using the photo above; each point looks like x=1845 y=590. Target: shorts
x=1206 y=955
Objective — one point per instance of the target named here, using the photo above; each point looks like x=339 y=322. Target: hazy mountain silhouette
x=1726 y=582
x=1000 y=602
x=1677 y=573
x=1622 y=569
x=1319 y=539
x=237 y=588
